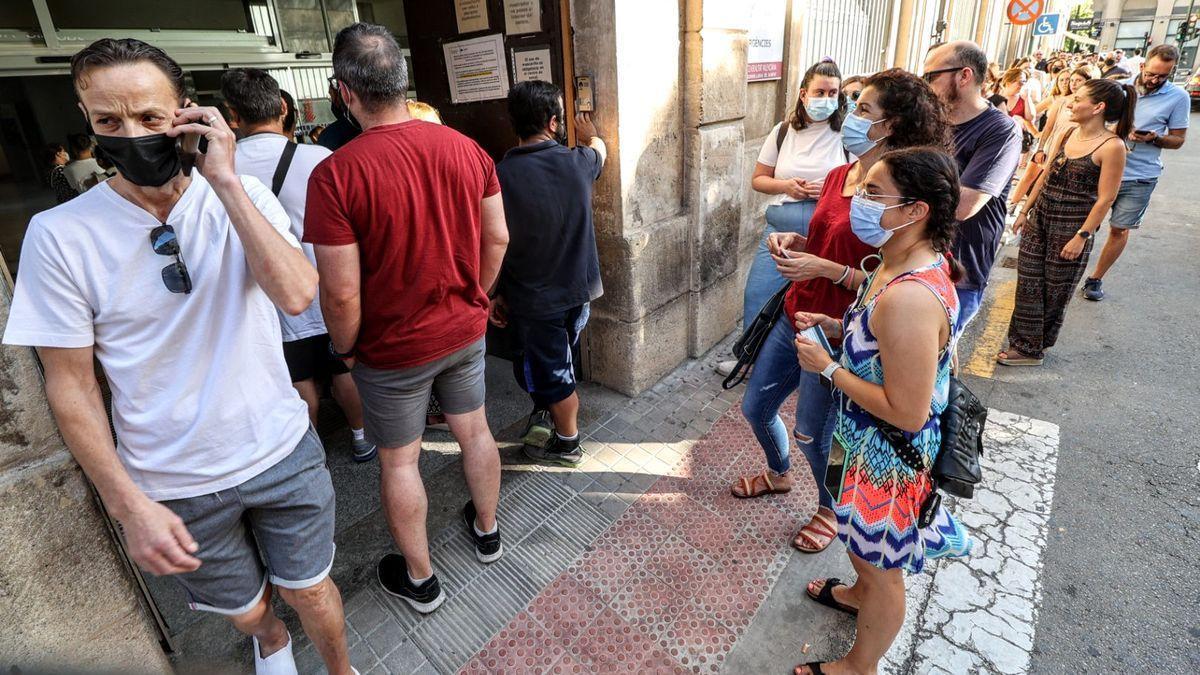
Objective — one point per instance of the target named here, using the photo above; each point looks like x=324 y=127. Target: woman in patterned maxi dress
x=895 y=367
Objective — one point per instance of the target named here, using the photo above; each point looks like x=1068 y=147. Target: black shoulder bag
x=281 y=169
x=956 y=467
x=746 y=349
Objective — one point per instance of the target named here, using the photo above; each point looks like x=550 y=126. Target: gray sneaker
x=724 y=368
x=558 y=451
x=364 y=450
x=540 y=429
x=1092 y=290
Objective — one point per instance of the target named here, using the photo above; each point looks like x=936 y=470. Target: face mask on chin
x=148 y=161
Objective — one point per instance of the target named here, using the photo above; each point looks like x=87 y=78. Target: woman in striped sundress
x=1068 y=205
x=895 y=367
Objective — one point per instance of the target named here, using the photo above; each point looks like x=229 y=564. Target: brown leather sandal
x=757 y=486
x=820 y=528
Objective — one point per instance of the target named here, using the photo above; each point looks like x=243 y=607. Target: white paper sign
x=522 y=16
x=477 y=69
x=472 y=15
x=533 y=64
x=764 y=53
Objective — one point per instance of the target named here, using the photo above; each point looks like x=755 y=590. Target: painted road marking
x=978 y=614
x=995 y=330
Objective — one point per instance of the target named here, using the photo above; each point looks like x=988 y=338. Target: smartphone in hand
x=817 y=334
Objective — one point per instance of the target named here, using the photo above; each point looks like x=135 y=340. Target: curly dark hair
x=917 y=115
x=929 y=174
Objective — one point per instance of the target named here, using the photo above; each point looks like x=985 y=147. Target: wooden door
x=432 y=24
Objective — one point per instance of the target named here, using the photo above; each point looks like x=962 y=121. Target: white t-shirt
x=80 y=170
x=808 y=154
x=258 y=156
x=201 y=396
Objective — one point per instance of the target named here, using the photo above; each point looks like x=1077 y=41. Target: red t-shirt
x=829 y=237
x=409 y=195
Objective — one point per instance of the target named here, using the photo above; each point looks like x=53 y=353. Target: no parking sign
x=1024 y=12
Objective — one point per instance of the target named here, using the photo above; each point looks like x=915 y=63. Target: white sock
x=357 y=433
x=567 y=438
x=479 y=532
x=418 y=582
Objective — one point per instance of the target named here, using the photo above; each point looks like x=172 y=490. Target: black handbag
x=956 y=468
x=746 y=349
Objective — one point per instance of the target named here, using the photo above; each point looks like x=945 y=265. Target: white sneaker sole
x=488 y=559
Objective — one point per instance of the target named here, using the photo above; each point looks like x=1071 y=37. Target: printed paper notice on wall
x=532 y=64
x=522 y=16
x=764 y=52
x=477 y=69
x=472 y=15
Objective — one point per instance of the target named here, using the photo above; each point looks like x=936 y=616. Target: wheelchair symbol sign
x=1047 y=24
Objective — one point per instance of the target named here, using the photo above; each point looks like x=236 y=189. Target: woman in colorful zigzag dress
x=895 y=367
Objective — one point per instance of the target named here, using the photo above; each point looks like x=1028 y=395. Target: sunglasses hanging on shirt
x=175 y=276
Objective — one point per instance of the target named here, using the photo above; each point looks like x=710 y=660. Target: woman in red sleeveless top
x=896 y=109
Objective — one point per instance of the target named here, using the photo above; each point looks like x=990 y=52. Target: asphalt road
x=1122 y=561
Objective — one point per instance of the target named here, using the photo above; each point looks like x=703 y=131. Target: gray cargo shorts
x=277 y=525
x=395 y=401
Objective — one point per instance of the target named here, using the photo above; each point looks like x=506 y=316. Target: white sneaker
x=724 y=368
x=280 y=663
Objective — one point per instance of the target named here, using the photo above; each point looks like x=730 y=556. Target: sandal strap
x=821 y=525
x=766 y=478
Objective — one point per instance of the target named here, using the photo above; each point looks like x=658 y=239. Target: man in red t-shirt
x=409 y=231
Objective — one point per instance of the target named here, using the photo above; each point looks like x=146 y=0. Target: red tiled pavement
x=673 y=582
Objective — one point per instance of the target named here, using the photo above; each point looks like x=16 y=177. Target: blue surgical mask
x=854 y=135
x=866 y=216
x=820 y=109
x=851 y=106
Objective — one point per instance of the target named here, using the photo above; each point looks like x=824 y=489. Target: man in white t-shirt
x=83 y=171
x=171 y=281
x=264 y=150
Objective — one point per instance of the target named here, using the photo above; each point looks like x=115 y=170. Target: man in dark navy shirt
x=551 y=271
x=987 y=147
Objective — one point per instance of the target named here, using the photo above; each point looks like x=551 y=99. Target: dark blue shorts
x=545 y=364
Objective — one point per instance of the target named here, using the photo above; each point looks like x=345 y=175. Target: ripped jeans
x=776 y=375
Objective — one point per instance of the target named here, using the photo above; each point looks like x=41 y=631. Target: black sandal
x=825 y=596
x=814 y=667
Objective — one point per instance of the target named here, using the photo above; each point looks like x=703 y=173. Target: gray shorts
x=394 y=401
x=277 y=525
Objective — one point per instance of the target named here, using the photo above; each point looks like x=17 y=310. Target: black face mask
x=148 y=161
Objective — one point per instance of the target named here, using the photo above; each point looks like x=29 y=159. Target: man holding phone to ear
x=170 y=278
x=1160 y=123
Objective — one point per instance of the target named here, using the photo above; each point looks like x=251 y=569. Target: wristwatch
x=1085 y=234
x=827 y=374
x=338 y=355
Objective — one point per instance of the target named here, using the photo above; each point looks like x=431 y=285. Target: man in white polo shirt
x=170 y=278
x=264 y=150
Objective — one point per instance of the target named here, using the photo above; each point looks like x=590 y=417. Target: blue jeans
x=1132 y=199
x=968 y=306
x=776 y=375
x=764 y=279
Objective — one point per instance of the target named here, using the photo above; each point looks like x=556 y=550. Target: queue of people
x=268 y=268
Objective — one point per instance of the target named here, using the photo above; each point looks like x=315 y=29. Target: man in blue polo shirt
x=1160 y=122
x=551 y=270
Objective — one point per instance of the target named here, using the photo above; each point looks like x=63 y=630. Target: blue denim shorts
x=1132 y=200
x=277 y=526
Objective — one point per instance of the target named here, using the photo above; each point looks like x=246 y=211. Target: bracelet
x=845 y=273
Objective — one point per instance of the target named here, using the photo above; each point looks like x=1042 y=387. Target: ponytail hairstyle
x=823 y=68
x=929 y=174
x=1119 y=102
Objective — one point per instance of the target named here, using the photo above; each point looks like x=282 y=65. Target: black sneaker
x=1092 y=290
x=488 y=548
x=393 y=576
x=539 y=430
x=564 y=453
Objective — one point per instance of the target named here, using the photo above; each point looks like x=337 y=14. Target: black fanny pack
x=746 y=349
x=956 y=467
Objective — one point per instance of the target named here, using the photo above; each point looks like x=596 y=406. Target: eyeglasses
x=861 y=191
x=932 y=75
x=175 y=276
